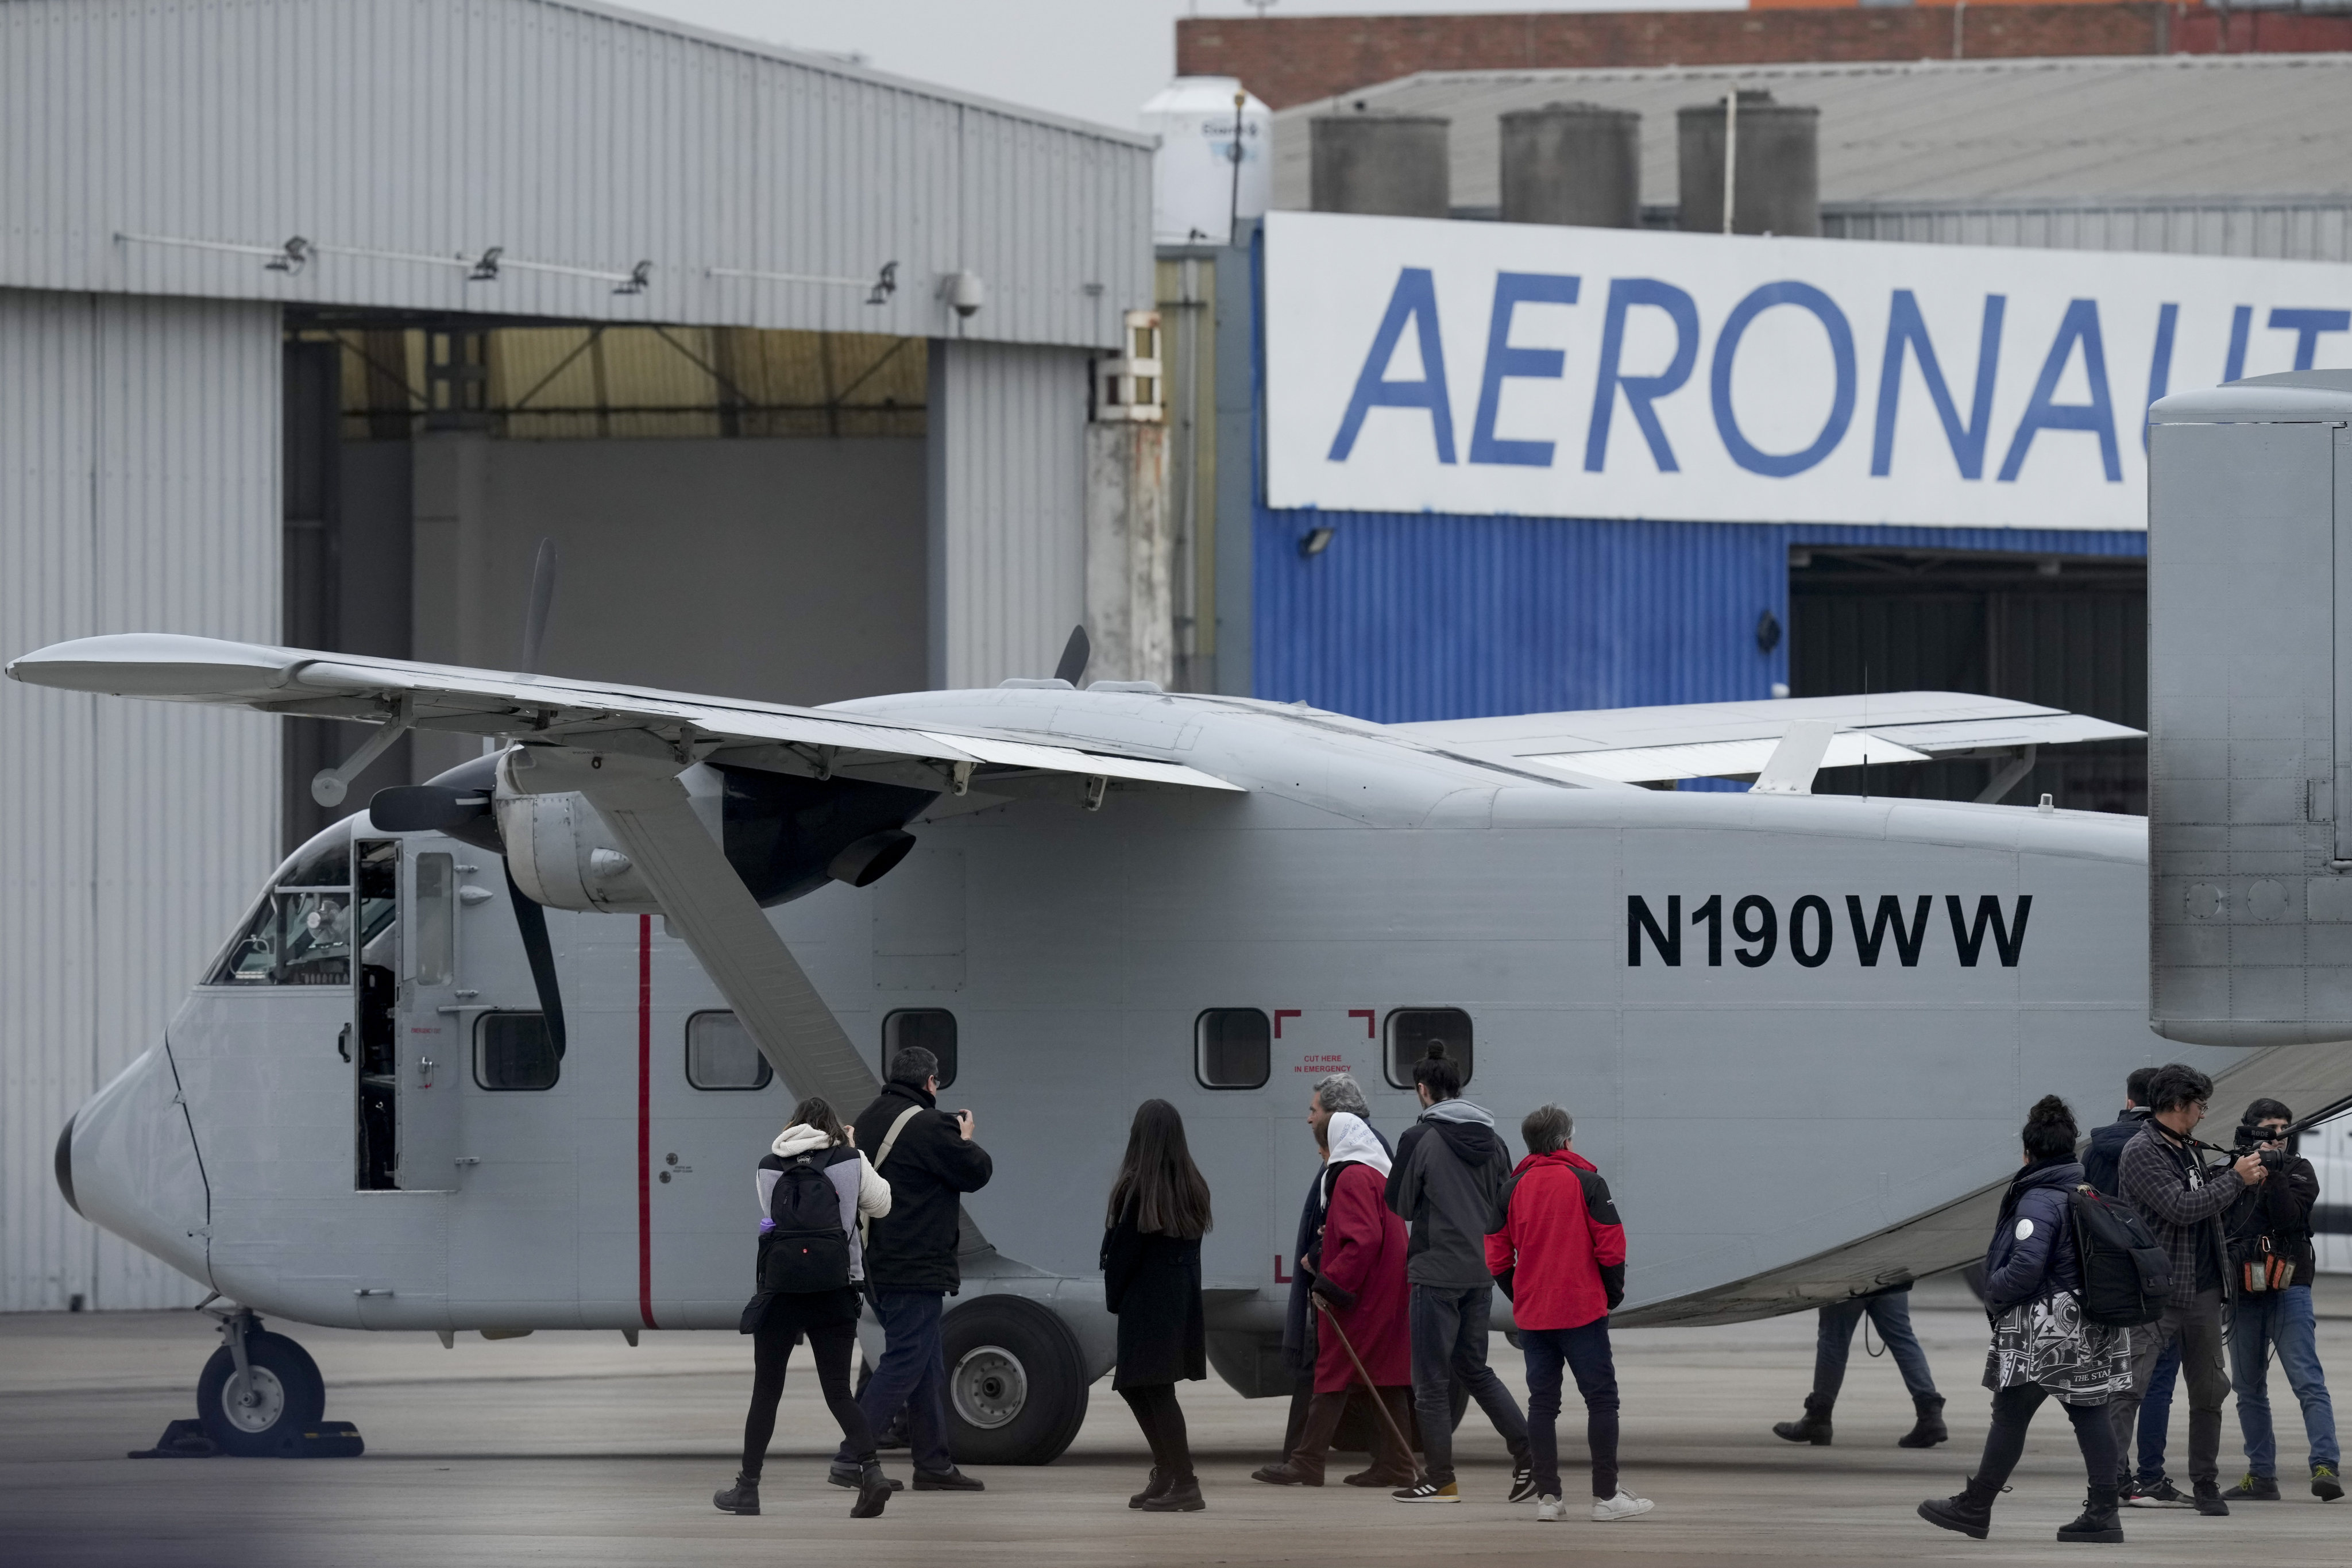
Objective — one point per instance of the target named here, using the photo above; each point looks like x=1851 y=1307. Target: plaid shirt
x=2181 y=1198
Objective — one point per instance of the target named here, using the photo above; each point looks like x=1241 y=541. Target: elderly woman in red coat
x=1359 y=1268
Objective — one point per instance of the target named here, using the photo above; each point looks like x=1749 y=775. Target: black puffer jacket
x=2032 y=1251
x=913 y=1247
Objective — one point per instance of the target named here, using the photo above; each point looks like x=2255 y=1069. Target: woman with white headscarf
x=1358 y=1265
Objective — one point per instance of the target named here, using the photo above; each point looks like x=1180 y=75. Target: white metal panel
x=139 y=487
x=1007 y=475
x=562 y=132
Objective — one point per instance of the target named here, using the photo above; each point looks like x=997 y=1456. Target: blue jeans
x=2280 y=1319
x=2156 y=1416
x=1892 y=1313
x=913 y=1372
x=1584 y=1350
x=1449 y=1343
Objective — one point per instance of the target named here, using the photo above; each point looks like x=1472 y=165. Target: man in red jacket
x=1559 y=1257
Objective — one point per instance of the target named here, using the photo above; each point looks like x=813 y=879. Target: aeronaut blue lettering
x=1892 y=921
x=2306 y=325
x=2080 y=328
x=1415 y=301
x=1804 y=297
x=1907 y=328
x=1504 y=363
x=1641 y=391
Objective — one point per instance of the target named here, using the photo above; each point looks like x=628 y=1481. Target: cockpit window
x=301 y=932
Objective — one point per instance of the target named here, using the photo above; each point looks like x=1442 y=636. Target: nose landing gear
x=260 y=1394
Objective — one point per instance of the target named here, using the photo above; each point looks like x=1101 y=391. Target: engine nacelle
x=562 y=853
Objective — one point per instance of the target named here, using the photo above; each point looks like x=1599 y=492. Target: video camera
x=2250 y=1141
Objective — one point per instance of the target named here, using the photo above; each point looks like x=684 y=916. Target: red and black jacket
x=1560 y=1253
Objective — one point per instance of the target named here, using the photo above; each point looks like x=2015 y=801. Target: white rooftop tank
x=1194 y=196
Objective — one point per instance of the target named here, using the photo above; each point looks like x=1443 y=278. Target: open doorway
x=2064 y=631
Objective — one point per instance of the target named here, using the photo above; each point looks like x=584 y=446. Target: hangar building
x=316 y=315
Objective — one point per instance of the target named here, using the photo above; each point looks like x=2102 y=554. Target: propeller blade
x=1075 y=654
x=542 y=604
x=530 y=921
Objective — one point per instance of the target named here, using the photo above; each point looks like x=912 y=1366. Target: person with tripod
x=2270 y=1242
x=1357 y=1265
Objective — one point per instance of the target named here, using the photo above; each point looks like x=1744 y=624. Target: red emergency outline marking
x=645 y=1120
x=1282 y=1013
x=1279 y=1277
x=1366 y=1014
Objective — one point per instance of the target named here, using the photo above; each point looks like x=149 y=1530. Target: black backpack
x=808 y=1250
x=2126 y=1273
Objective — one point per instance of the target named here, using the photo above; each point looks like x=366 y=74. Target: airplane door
x=431 y=1021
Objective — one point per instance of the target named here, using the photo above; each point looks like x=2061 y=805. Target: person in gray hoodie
x=1447 y=1184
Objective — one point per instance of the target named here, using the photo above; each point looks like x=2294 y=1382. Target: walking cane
x=1369 y=1386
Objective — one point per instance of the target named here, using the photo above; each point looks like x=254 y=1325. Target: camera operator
x=2182 y=1200
x=2269 y=1244
x=2152 y=1487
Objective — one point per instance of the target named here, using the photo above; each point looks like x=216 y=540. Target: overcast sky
x=1097 y=59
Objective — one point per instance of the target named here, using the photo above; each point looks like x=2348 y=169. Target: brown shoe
x=1292 y=1472
x=1381 y=1475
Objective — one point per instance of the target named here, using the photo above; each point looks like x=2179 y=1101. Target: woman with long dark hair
x=814 y=1186
x=2041 y=1345
x=1151 y=1278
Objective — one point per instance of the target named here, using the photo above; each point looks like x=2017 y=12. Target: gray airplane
x=499 y=1053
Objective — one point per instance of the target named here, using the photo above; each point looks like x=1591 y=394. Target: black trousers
x=831 y=1347
x=2012 y=1412
x=1162 y=1420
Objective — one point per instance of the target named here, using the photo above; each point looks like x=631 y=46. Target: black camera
x=2250 y=1141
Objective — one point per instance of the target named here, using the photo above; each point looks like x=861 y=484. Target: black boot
x=1182 y=1496
x=2098 y=1522
x=1159 y=1483
x=1815 y=1427
x=743 y=1497
x=873 y=1489
x=1930 y=1430
x=1970 y=1513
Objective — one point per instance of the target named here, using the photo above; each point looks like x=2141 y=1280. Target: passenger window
x=1413 y=1030
x=721 y=1054
x=1233 y=1047
x=932 y=1028
x=436 y=924
x=514 y=1050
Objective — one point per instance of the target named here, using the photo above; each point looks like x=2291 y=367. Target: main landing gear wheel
x=1016 y=1382
x=281 y=1396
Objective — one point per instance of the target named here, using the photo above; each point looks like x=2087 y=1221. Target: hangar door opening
x=2068 y=632
x=736 y=511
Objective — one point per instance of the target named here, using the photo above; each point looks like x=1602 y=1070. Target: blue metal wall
x=1407 y=616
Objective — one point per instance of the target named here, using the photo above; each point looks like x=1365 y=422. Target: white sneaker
x=1550 y=1509
x=1624 y=1505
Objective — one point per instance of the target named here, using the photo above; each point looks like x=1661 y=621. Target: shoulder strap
x=890 y=1138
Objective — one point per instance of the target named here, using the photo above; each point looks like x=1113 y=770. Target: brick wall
x=1292 y=60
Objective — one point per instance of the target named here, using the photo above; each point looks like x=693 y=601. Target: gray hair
x=1340 y=1091
x=913 y=1067
x=1547 y=1129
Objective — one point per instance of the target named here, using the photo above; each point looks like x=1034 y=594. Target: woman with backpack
x=814 y=1188
x=2041 y=1343
x=1151 y=1278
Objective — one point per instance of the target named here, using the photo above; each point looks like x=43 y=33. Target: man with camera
x=2152 y=1487
x=2182 y=1200
x=929 y=1158
x=2269 y=1244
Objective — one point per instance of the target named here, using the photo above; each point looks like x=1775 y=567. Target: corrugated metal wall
x=139 y=491
x=1006 y=467
x=564 y=134
x=2271 y=227
x=1411 y=616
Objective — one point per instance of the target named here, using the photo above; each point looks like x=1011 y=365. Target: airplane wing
x=1705 y=740
x=551 y=710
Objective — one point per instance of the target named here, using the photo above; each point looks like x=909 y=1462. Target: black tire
x=292 y=1398
x=1016 y=1382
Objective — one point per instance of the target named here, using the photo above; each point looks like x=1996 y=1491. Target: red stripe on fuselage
x=645 y=1120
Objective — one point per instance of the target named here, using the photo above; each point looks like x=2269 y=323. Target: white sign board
x=1419 y=366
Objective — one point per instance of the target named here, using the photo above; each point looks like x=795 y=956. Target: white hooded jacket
x=864 y=1194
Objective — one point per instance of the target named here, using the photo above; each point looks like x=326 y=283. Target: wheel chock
x=181 y=1440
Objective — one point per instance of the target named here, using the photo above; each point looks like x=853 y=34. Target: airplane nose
x=65 y=1164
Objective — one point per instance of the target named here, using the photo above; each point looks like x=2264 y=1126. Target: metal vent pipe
x=1775 y=182
x=1574 y=164
x=1391 y=164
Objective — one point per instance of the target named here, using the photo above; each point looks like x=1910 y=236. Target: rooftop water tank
x=1195 y=189
x=1573 y=162
x=1391 y=164
x=1777 y=177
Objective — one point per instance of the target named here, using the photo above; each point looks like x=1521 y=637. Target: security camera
x=965 y=291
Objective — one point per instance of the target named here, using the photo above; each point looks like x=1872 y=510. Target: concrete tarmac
x=574 y=1448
